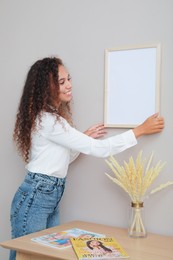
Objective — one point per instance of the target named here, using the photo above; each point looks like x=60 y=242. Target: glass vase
x=137 y=225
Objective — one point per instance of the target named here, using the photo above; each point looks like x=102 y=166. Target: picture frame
x=132 y=84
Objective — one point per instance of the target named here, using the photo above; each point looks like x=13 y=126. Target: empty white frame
x=132 y=85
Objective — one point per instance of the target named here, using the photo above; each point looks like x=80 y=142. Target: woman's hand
x=153 y=124
x=96 y=131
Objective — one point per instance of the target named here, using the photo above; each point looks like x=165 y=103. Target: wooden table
x=154 y=247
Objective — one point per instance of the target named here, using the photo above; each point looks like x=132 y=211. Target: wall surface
x=79 y=32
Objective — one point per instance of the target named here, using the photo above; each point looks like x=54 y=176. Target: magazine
x=61 y=239
x=98 y=248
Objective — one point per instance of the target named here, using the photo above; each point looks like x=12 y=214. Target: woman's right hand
x=153 y=124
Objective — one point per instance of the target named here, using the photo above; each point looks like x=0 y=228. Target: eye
x=69 y=78
x=61 y=81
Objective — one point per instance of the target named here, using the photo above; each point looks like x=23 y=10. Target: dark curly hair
x=100 y=245
x=40 y=92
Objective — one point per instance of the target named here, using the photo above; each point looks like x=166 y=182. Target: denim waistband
x=43 y=177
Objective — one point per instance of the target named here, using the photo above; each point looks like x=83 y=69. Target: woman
x=97 y=248
x=48 y=142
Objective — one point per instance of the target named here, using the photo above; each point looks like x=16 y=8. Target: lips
x=68 y=93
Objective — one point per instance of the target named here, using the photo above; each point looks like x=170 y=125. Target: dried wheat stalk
x=134 y=178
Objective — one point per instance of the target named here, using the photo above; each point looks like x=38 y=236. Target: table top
x=153 y=247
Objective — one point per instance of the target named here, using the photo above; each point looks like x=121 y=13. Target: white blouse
x=55 y=144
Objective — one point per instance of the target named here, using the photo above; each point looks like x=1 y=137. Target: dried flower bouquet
x=135 y=178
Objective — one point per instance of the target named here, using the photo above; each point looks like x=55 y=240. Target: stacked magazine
x=61 y=239
x=86 y=244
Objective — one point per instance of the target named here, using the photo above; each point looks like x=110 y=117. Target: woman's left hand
x=96 y=131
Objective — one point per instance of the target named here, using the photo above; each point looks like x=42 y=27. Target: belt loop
x=61 y=181
x=32 y=175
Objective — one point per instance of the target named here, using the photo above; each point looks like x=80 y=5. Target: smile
x=68 y=92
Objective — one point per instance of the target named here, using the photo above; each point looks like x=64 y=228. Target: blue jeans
x=35 y=205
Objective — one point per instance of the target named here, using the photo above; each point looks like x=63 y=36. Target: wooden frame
x=132 y=85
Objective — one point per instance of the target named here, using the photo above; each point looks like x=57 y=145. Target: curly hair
x=40 y=91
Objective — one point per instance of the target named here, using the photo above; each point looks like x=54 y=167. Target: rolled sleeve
x=114 y=144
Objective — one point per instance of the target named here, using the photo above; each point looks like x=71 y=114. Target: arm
x=66 y=136
x=96 y=131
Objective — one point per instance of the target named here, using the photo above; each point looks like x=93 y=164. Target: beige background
x=79 y=31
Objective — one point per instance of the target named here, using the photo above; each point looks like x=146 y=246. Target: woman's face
x=94 y=243
x=65 y=86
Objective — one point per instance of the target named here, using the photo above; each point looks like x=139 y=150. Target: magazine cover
x=98 y=248
x=62 y=239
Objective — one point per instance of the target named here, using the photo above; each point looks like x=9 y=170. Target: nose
x=68 y=84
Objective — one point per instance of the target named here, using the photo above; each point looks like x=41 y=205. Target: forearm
x=138 y=131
